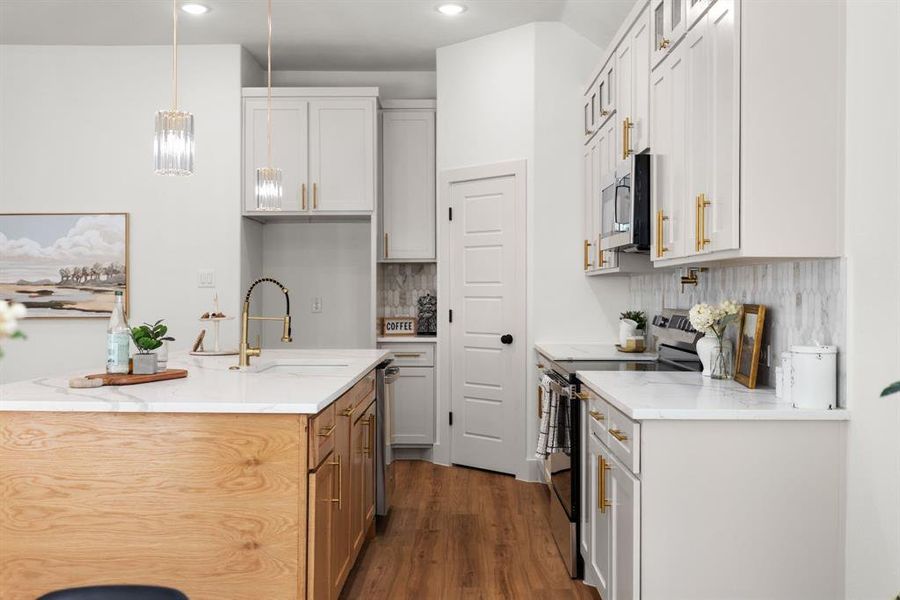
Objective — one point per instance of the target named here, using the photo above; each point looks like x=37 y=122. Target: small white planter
x=627 y=329
x=162 y=357
x=144 y=364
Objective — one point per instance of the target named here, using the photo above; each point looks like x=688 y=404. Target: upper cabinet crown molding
x=311 y=92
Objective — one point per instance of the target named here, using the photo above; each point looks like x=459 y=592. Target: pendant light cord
x=269 y=87
x=174 y=56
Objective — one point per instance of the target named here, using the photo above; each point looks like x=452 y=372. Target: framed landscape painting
x=64 y=265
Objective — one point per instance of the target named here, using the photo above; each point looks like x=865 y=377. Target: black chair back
x=116 y=592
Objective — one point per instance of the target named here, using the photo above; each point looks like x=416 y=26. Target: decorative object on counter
x=173 y=144
x=10 y=314
x=894 y=388
x=427 y=310
x=809 y=376
x=632 y=323
x=148 y=338
x=633 y=344
x=750 y=345
x=118 y=340
x=268 y=179
x=713 y=349
x=398 y=326
x=215 y=316
x=198 y=342
x=85 y=383
x=65 y=264
x=136 y=378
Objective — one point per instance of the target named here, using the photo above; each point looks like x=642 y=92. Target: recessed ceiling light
x=192 y=8
x=451 y=10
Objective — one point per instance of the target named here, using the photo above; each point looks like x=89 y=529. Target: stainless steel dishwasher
x=385 y=375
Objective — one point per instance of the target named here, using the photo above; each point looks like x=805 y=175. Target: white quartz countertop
x=590 y=351
x=279 y=381
x=408 y=339
x=690 y=396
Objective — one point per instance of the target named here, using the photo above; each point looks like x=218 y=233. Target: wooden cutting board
x=129 y=379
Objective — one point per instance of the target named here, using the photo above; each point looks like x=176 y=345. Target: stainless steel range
x=675 y=352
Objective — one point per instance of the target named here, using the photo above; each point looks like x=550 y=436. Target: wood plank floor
x=463 y=533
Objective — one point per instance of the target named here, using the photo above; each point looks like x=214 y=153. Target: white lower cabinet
x=412 y=405
x=682 y=508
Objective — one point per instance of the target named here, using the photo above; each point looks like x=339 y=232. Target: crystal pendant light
x=173 y=145
x=268 y=179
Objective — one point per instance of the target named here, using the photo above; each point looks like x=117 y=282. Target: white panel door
x=622 y=490
x=640 y=81
x=412 y=410
x=289 y=148
x=668 y=185
x=600 y=562
x=342 y=155
x=699 y=123
x=624 y=117
x=591 y=168
x=487 y=296
x=408 y=167
x=722 y=216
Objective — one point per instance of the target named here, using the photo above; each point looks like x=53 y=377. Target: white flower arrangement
x=707 y=318
x=10 y=314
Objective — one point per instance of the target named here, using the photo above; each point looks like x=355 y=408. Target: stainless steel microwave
x=625 y=210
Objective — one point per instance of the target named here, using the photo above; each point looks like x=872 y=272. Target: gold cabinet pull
x=602 y=468
x=326 y=432
x=303 y=196
x=348 y=412
x=597 y=415
x=315 y=196
x=626 y=138
x=385 y=245
x=340 y=499
x=370 y=449
x=407 y=354
x=703 y=204
x=617 y=433
x=697 y=226
x=660 y=219
x=540 y=402
x=587 y=251
x=583 y=396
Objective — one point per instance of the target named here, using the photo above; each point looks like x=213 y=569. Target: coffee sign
x=399 y=326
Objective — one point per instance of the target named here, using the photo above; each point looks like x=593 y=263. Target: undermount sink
x=311 y=366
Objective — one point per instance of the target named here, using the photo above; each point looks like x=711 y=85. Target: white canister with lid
x=812 y=379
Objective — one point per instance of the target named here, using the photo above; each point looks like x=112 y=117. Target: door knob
x=506 y=339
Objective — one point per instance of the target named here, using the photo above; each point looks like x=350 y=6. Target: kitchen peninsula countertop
x=690 y=396
x=319 y=377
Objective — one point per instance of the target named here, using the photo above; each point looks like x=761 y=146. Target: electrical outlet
x=206 y=278
x=317 y=304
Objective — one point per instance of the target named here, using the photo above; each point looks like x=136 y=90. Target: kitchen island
x=240 y=484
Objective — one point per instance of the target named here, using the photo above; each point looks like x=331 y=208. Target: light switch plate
x=206 y=278
x=317 y=304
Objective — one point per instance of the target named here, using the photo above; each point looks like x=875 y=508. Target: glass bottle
x=118 y=339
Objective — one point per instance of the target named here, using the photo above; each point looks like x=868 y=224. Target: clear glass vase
x=722 y=362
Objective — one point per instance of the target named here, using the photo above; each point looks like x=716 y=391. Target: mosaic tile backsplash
x=401 y=284
x=804 y=301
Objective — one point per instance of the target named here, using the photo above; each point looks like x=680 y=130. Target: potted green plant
x=148 y=338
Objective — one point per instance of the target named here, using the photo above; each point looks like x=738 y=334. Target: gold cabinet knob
x=616 y=433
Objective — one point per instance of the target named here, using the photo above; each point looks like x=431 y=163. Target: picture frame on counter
x=749 y=344
x=398 y=326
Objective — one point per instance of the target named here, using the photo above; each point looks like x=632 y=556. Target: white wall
x=76 y=132
x=329 y=260
x=391 y=84
x=872 y=219
x=516 y=95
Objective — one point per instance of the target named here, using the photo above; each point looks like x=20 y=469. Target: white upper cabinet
x=408 y=202
x=668 y=186
x=324 y=145
x=591 y=203
x=669 y=24
x=633 y=95
x=289 y=148
x=342 y=154
x=695 y=8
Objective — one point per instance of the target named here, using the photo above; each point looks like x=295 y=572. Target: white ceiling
x=307 y=34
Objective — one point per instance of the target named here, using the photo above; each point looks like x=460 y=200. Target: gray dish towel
x=555 y=432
